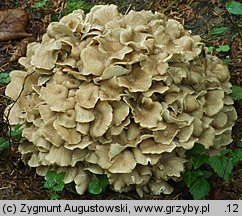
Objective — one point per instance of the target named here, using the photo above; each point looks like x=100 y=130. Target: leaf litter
x=13 y=23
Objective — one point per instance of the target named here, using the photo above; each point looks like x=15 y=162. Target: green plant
x=4 y=143
x=54 y=182
x=222 y=165
x=210 y=49
x=12 y=134
x=236 y=93
x=234 y=7
x=98 y=184
x=216 y=31
x=40 y=4
x=223 y=48
x=226 y=61
x=4 y=78
x=72 y=5
x=16 y=133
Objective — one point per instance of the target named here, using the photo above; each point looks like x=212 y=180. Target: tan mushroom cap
x=63 y=105
x=148 y=114
x=158 y=187
x=99 y=16
x=15 y=87
x=169 y=166
x=59 y=156
x=133 y=131
x=149 y=146
x=136 y=81
x=110 y=44
x=74 y=20
x=53 y=93
x=110 y=90
x=166 y=136
x=93 y=168
x=67 y=119
x=70 y=135
x=83 y=115
x=102 y=152
x=145 y=159
x=207 y=137
x=42 y=144
x=50 y=133
x=81 y=180
x=214 y=102
x=94 y=61
x=46 y=56
x=83 y=128
x=70 y=173
x=121 y=182
x=14 y=113
x=87 y=95
x=123 y=163
x=114 y=150
x=135 y=19
x=120 y=112
x=113 y=71
x=45 y=112
x=103 y=119
x=42 y=170
x=117 y=130
x=57 y=30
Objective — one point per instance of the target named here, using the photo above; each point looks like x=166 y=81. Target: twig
x=128 y=9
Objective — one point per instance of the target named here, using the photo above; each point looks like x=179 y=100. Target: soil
x=20 y=182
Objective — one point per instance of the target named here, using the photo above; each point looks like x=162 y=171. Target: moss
x=72 y=5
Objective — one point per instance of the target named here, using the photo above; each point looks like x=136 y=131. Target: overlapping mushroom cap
x=121 y=95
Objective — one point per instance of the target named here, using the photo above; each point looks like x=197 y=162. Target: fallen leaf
x=13 y=24
x=21 y=48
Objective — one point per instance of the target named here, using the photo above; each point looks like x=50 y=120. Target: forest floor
x=20 y=182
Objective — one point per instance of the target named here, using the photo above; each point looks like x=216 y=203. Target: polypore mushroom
x=121 y=95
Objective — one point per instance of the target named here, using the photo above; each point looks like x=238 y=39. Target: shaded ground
x=20 y=182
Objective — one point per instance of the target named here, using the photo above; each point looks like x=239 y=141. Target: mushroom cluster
x=120 y=95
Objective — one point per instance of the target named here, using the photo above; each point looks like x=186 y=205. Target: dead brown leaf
x=13 y=24
x=20 y=48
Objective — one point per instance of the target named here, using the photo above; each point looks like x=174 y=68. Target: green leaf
x=234 y=7
x=4 y=143
x=199 y=188
x=4 y=78
x=236 y=156
x=54 y=180
x=54 y=196
x=226 y=61
x=236 y=93
x=225 y=152
x=198 y=149
x=207 y=174
x=54 y=17
x=210 y=49
x=216 y=31
x=17 y=132
x=94 y=187
x=40 y=4
x=222 y=166
x=199 y=160
x=223 y=48
x=58 y=186
x=191 y=176
x=239 y=144
x=103 y=181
